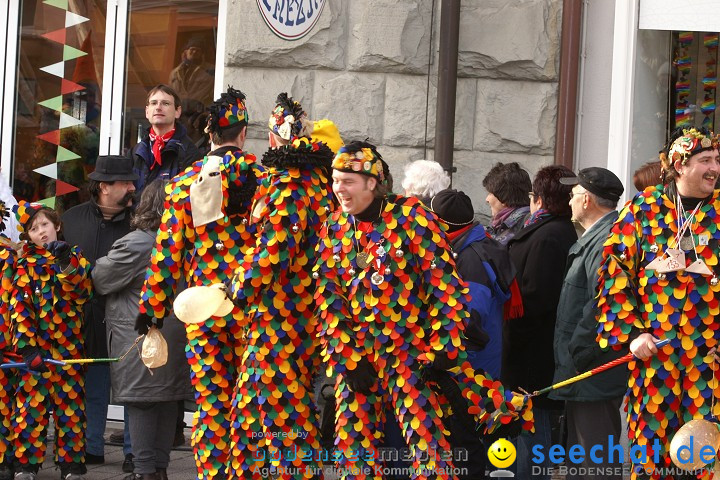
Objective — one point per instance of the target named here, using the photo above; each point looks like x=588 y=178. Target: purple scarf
x=498 y=219
x=536 y=217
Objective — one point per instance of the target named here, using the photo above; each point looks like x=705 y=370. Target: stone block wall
x=370 y=66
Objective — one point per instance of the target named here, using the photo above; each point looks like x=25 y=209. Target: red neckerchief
x=158 y=143
x=454 y=235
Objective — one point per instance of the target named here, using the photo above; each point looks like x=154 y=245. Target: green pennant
x=48 y=202
x=71 y=52
x=63 y=154
x=54 y=103
x=57 y=3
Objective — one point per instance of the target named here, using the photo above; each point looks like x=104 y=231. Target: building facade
x=77 y=72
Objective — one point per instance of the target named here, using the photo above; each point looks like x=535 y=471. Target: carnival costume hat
x=599 y=181
x=302 y=152
x=326 y=131
x=113 y=168
x=288 y=119
x=25 y=211
x=684 y=144
x=227 y=111
x=362 y=158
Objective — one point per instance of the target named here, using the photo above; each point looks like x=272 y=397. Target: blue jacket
x=489 y=292
x=178 y=154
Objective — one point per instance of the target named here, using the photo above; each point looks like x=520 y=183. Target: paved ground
x=182 y=465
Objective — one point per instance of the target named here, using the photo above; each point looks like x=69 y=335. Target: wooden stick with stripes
x=75 y=361
x=590 y=373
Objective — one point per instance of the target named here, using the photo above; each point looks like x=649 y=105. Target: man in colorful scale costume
x=659 y=279
x=390 y=302
x=274 y=423
x=205 y=232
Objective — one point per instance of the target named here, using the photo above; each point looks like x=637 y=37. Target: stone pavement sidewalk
x=182 y=464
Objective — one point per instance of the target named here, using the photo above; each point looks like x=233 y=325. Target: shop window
x=693 y=100
x=675 y=86
x=58 y=99
x=174 y=45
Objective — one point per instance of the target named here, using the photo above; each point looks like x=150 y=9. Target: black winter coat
x=538 y=252
x=84 y=226
x=178 y=154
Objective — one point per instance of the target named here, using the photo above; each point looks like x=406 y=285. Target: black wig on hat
x=302 y=153
x=218 y=108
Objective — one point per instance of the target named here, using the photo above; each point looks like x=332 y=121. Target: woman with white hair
x=424 y=179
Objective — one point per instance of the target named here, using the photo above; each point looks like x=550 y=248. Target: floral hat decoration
x=688 y=143
x=227 y=111
x=287 y=119
x=360 y=157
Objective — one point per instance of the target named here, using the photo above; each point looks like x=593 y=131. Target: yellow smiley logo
x=501 y=453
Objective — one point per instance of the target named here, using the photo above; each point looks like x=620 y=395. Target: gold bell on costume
x=689 y=443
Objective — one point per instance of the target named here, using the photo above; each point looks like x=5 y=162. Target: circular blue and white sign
x=291 y=19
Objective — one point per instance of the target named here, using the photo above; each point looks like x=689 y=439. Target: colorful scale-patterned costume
x=46 y=307
x=677 y=384
x=8 y=378
x=202 y=255
x=273 y=407
x=407 y=303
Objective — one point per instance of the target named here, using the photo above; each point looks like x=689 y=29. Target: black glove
x=143 y=322
x=33 y=360
x=443 y=362
x=61 y=251
x=476 y=335
x=362 y=378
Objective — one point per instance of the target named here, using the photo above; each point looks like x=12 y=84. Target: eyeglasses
x=164 y=103
x=572 y=194
x=532 y=194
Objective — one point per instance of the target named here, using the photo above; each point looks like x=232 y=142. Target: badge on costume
x=206 y=196
x=704 y=238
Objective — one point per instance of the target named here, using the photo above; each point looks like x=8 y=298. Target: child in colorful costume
x=659 y=279
x=50 y=286
x=8 y=377
x=391 y=309
x=203 y=236
x=274 y=423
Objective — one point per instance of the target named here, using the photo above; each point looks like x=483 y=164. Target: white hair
x=425 y=178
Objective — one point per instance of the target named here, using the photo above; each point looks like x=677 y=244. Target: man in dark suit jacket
x=94 y=226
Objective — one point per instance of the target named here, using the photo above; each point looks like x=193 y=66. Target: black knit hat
x=454 y=208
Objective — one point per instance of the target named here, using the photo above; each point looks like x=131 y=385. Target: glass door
x=76 y=76
x=57 y=99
